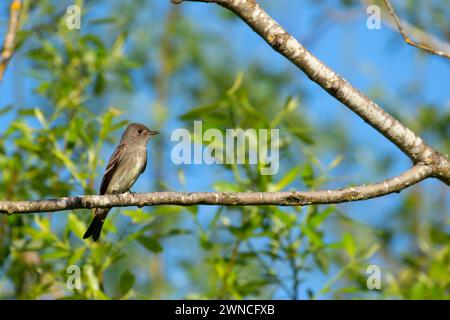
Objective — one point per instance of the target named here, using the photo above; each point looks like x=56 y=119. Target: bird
x=127 y=162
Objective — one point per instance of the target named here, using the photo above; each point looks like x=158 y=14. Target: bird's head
x=137 y=132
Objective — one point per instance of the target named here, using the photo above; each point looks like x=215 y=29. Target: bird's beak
x=152 y=133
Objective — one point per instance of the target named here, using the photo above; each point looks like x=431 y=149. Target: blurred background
x=67 y=95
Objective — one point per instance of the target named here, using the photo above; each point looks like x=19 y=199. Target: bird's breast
x=129 y=169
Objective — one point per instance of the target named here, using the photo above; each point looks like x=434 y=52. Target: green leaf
x=199 y=112
x=287 y=179
x=5 y=109
x=336 y=161
x=26 y=112
x=108 y=20
x=99 y=84
x=118 y=125
x=302 y=134
x=126 y=282
x=177 y=232
x=224 y=186
x=76 y=225
x=237 y=83
x=40 y=116
x=349 y=244
x=138 y=216
x=308 y=175
x=43 y=223
x=70 y=165
x=57 y=254
x=93 y=282
x=76 y=256
x=314 y=237
x=28 y=145
x=159 y=210
x=291 y=104
x=287 y=218
x=204 y=242
x=372 y=250
x=317 y=219
x=150 y=243
x=322 y=261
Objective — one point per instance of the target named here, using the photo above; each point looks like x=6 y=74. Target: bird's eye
x=140 y=131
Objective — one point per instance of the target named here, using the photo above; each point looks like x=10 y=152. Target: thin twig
x=407 y=39
x=10 y=38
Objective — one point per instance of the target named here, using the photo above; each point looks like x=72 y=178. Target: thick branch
x=294 y=198
x=9 y=43
x=281 y=41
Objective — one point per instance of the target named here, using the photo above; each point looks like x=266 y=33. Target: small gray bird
x=127 y=162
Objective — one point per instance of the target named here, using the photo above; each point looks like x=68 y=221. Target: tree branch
x=282 y=42
x=407 y=39
x=9 y=43
x=294 y=198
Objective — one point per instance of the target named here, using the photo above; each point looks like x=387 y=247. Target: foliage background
x=67 y=95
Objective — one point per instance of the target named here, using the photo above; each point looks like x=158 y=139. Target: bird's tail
x=96 y=225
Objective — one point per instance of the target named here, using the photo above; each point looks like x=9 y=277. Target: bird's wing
x=111 y=167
